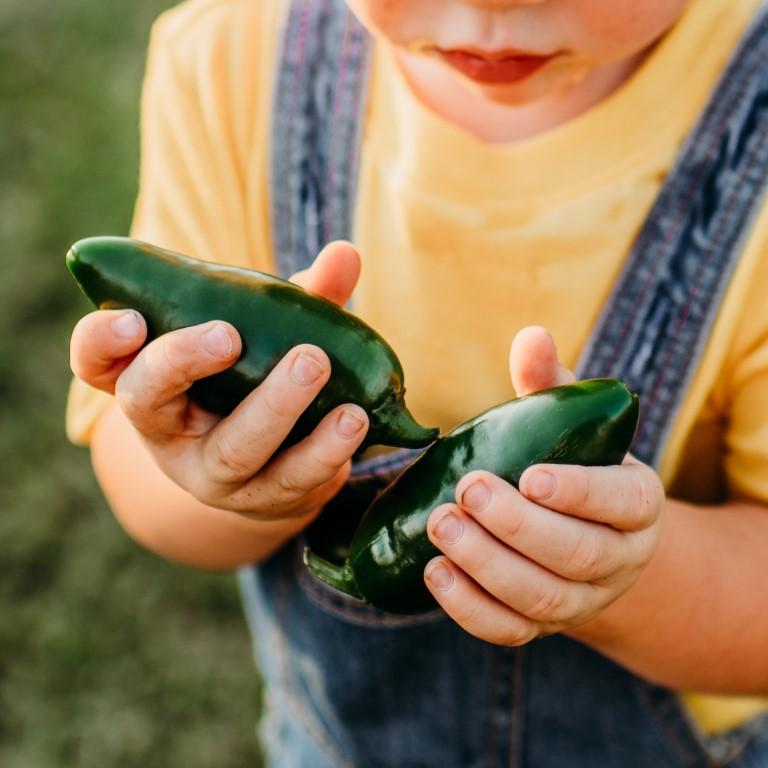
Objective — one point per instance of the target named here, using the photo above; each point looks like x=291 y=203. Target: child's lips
x=496 y=68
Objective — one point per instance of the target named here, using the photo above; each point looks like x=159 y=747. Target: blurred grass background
x=109 y=656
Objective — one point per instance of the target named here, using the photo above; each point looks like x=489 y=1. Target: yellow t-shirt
x=465 y=242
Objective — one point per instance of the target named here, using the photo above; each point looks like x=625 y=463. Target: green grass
x=109 y=656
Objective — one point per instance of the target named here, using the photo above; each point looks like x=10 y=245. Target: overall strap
x=319 y=96
x=319 y=100
x=654 y=327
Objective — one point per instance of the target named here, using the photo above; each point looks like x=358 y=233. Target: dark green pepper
x=589 y=423
x=272 y=315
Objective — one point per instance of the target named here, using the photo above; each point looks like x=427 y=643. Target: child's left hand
x=553 y=555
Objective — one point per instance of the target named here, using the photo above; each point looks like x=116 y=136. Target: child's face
x=518 y=51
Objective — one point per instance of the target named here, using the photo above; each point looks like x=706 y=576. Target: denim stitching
x=298 y=26
x=518 y=708
x=686 y=196
x=731 y=745
x=493 y=670
x=723 y=222
x=674 y=726
x=681 y=220
x=315 y=729
x=663 y=374
x=313 y=158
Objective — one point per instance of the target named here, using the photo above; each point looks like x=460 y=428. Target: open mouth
x=496 y=69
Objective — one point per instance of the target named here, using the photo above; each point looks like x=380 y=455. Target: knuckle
x=254 y=500
x=520 y=633
x=159 y=371
x=327 y=464
x=85 y=328
x=585 y=558
x=584 y=489
x=515 y=522
x=77 y=365
x=229 y=460
x=467 y=613
x=200 y=488
x=170 y=358
x=512 y=521
x=484 y=569
x=128 y=400
x=548 y=605
x=639 y=491
x=647 y=496
x=277 y=408
x=291 y=486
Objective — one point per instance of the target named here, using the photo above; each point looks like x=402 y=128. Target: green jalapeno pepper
x=272 y=315
x=590 y=423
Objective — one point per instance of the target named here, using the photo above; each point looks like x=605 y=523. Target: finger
x=627 y=497
x=103 y=343
x=334 y=273
x=473 y=609
x=514 y=580
x=151 y=389
x=240 y=445
x=533 y=362
x=310 y=469
x=575 y=549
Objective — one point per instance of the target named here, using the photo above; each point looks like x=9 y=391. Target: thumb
x=333 y=274
x=533 y=362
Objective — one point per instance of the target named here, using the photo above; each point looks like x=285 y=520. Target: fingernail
x=126 y=325
x=217 y=341
x=305 y=370
x=476 y=497
x=540 y=485
x=439 y=576
x=449 y=528
x=349 y=423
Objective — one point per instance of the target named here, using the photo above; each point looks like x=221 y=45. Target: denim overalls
x=349 y=686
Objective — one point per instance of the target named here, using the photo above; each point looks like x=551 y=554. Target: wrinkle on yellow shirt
x=463 y=242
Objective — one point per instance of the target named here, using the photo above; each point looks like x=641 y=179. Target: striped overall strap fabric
x=319 y=91
x=654 y=327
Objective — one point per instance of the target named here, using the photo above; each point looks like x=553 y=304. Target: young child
x=510 y=152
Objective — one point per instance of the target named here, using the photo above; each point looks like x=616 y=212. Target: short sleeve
x=744 y=384
x=204 y=126
x=746 y=439
x=191 y=172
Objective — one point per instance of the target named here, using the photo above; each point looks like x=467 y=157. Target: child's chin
x=516 y=94
x=540 y=87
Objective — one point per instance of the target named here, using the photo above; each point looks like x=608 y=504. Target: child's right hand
x=230 y=462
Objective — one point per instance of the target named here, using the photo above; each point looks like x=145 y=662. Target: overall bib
x=348 y=686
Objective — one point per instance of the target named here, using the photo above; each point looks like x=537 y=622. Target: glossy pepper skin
x=272 y=315
x=589 y=423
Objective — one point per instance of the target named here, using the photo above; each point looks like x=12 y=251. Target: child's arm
x=684 y=606
x=696 y=618
x=196 y=488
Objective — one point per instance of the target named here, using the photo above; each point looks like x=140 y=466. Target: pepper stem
x=395 y=426
x=337 y=576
